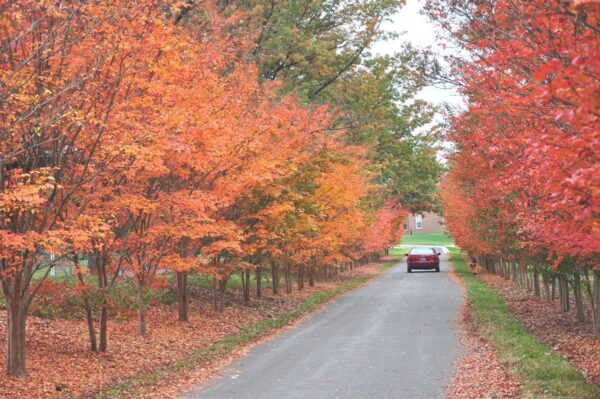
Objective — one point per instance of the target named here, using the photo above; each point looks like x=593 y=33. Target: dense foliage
x=320 y=50
x=153 y=137
x=524 y=182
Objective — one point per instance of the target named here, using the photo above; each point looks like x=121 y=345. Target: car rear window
x=422 y=251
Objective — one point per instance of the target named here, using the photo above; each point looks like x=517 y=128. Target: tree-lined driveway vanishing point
x=392 y=338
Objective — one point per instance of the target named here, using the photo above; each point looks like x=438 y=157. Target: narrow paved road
x=392 y=338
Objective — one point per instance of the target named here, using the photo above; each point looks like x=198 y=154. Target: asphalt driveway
x=392 y=338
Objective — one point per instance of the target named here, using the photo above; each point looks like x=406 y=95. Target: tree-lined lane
x=393 y=338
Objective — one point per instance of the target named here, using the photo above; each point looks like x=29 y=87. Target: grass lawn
x=427 y=239
x=542 y=373
x=438 y=239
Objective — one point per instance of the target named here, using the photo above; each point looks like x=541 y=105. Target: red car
x=423 y=258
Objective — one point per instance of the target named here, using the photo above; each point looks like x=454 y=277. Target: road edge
x=521 y=353
x=236 y=345
x=478 y=370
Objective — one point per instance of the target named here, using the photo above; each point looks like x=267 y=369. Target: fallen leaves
x=562 y=332
x=60 y=364
x=479 y=373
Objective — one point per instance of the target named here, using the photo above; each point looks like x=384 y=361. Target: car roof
x=422 y=250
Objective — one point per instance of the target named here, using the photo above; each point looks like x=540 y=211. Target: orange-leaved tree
x=63 y=70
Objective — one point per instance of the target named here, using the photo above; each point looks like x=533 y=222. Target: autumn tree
x=62 y=74
x=527 y=158
x=321 y=50
x=386 y=228
x=148 y=137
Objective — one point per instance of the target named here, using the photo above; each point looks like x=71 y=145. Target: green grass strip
x=246 y=335
x=427 y=239
x=542 y=373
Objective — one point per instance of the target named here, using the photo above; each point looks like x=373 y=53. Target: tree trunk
x=300 y=277
x=288 y=278
x=103 y=329
x=536 y=281
x=246 y=285
x=91 y=262
x=311 y=277
x=546 y=280
x=16 y=316
x=258 y=282
x=89 y=314
x=142 y=330
x=578 y=298
x=91 y=329
x=142 y=322
x=514 y=272
x=594 y=294
x=182 y=296
x=222 y=288
x=275 y=277
x=214 y=291
x=563 y=292
x=100 y=262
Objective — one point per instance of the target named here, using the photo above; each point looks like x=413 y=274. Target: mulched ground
x=59 y=364
x=561 y=332
x=479 y=373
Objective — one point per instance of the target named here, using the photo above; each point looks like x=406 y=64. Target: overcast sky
x=420 y=32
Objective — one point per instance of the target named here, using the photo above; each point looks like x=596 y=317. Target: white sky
x=418 y=30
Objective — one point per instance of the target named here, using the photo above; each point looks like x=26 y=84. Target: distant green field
x=426 y=239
